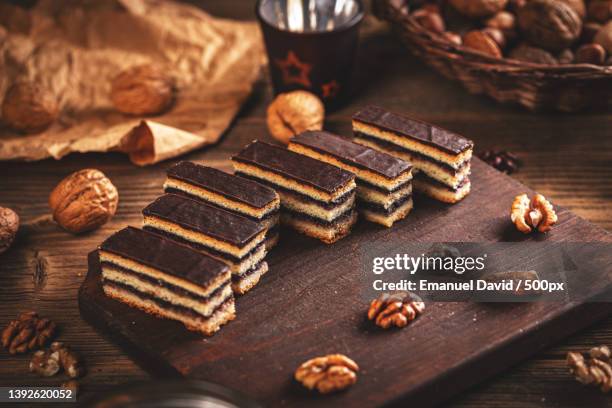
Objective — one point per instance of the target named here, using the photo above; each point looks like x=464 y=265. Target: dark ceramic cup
x=311 y=45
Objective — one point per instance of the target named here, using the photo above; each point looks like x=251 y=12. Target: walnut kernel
x=28 y=332
x=293 y=113
x=597 y=370
x=9 y=225
x=397 y=310
x=142 y=90
x=29 y=108
x=536 y=213
x=333 y=372
x=45 y=363
x=83 y=201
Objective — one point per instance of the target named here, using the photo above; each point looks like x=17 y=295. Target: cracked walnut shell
x=397 y=309
x=294 y=112
x=83 y=201
x=537 y=213
x=29 y=108
x=142 y=90
x=333 y=372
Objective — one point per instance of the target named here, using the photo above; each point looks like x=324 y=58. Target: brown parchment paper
x=75 y=47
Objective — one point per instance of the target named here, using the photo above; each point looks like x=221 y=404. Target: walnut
x=549 y=24
x=597 y=370
x=590 y=54
x=524 y=52
x=69 y=360
x=29 y=108
x=566 y=56
x=45 y=363
x=293 y=113
x=28 y=332
x=9 y=224
x=83 y=201
x=430 y=20
x=478 y=8
x=142 y=90
x=535 y=214
x=481 y=41
x=600 y=10
x=397 y=310
x=604 y=37
x=496 y=35
x=578 y=6
x=333 y=372
x=453 y=38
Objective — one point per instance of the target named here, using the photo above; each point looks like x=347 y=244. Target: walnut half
x=83 y=201
x=397 y=309
x=333 y=372
x=537 y=213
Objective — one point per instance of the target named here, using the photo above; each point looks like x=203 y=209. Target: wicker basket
x=569 y=87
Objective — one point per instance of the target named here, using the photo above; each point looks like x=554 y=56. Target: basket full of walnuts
x=542 y=54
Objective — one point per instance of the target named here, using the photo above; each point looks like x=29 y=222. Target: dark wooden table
x=566 y=157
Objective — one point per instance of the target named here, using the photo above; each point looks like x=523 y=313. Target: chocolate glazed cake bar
x=167 y=279
x=317 y=199
x=384 y=188
x=233 y=239
x=239 y=195
x=441 y=158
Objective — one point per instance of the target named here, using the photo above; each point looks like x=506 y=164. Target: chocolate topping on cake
x=353 y=153
x=309 y=171
x=204 y=218
x=228 y=185
x=423 y=132
x=165 y=255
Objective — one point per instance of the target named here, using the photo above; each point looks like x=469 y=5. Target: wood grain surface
x=314 y=298
x=565 y=157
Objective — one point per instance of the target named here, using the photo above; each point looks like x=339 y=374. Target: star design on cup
x=330 y=89
x=294 y=71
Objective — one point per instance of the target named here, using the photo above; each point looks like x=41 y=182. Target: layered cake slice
x=167 y=279
x=441 y=158
x=245 y=197
x=317 y=199
x=384 y=188
x=231 y=238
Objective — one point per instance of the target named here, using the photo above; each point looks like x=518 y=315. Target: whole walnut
x=600 y=10
x=478 y=8
x=83 y=201
x=549 y=24
x=604 y=37
x=293 y=113
x=578 y=6
x=29 y=108
x=9 y=224
x=525 y=52
x=142 y=90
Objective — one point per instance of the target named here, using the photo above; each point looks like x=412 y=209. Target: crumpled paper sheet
x=75 y=48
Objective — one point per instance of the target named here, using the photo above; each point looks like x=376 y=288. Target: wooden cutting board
x=311 y=303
